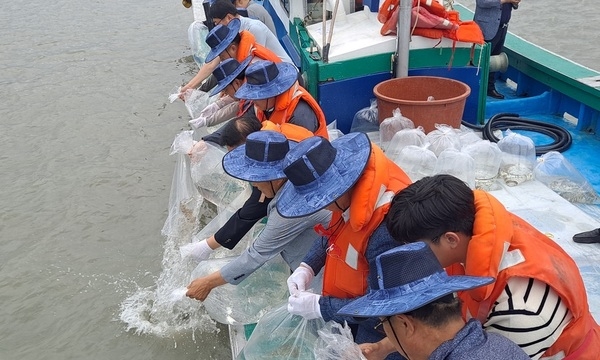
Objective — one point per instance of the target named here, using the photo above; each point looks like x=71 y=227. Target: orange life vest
x=291 y=131
x=346 y=268
x=286 y=103
x=494 y=226
x=432 y=21
x=248 y=46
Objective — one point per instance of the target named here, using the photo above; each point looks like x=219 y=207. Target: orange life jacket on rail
x=432 y=21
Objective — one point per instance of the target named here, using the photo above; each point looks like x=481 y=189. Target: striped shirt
x=529 y=313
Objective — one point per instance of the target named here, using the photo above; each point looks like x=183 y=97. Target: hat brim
x=400 y=300
x=288 y=75
x=238 y=165
x=229 y=78
x=353 y=152
x=224 y=44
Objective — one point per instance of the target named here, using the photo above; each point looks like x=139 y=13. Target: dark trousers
x=496 y=44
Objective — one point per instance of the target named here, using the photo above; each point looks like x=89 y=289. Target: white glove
x=197 y=250
x=300 y=279
x=305 y=304
x=198 y=122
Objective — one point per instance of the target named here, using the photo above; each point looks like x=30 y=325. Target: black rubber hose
x=562 y=137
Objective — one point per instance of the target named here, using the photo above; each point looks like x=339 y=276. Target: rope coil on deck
x=502 y=121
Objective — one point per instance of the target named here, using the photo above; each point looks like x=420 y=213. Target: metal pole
x=403 y=38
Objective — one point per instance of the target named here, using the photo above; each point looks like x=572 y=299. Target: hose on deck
x=502 y=121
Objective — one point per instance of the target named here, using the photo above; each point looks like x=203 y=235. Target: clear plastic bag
x=195 y=102
x=560 y=175
x=280 y=335
x=247 y=302
x=404 y=138
x=417 y=162
x=518 y=158
x=366 y=119
x=444 y=137
x=390 y=126
x=197 y=33
x=184 y=200
x=332 y=131
x=211 y=180
x=458 y=164
x=488 y=158
x=336 y=342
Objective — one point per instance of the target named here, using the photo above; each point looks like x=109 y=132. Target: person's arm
x=254 y=209
x=200 y=288
x=488 y=3
x=278 y=235
x=529 y=313
x=202 y=74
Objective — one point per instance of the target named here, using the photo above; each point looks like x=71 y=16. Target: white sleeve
x=530 y=313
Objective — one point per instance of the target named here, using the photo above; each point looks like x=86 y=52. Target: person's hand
x=199 y=289
x=305 y=304
x=300 y=279
x=377 y=351
x=198 y=122
x=182 y=91
x=197 y=250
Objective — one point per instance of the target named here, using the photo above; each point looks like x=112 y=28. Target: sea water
x=86 y=173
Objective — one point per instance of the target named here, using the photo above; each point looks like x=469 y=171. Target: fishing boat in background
x=343 y=58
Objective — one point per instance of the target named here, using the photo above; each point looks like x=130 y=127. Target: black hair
x=221 y=8
x=237 y=129
x=431 y=207
x=438 y=312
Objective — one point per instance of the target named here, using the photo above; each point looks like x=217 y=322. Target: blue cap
x=266 y=79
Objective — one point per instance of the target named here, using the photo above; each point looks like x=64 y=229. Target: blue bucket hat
x=227 y=71
x=220 y=37
x=266 y=79
x=319 y=172
x=408 y=277
x=260 y=158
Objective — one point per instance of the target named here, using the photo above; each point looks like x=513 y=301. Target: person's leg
x=496 y=44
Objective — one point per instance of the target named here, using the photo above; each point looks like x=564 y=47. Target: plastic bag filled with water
x=247 y=302
x=417 y=162
x=336 y=342
x=280 y=335
x=518 y=158
x=332 y=131
x=184 y=199
x=556 y=172
x=444 y=137
x=195 y=101
x=404 y=138
x=390 y=126
x=458 y=164
x=366 y=119
x=197 y=33
x=211 y=180
x=487 y=157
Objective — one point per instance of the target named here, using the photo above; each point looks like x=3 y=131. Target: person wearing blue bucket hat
x=250 y=36
x=278 y=97
x=353 y=179
x=414 y=299
x=260 y=161
x=538 y=299
x=230 y=76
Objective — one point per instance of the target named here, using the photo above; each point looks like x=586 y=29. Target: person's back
x=223 y=11
x=258 y=12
